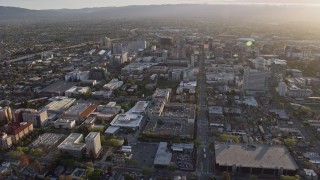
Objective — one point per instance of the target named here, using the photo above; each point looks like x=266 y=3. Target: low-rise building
x=127 y=121
x=161 y=95
x=77 y=91
x=73 y=144
x=77 y=76
x=215 y=112
x=64 y=123
x=59 y=104
x=254 y=159
x=113 y=85
x=163 y=156
x=79 y=111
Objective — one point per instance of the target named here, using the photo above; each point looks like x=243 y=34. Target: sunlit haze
x=74 y=4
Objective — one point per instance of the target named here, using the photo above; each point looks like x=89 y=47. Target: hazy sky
x=73 y=4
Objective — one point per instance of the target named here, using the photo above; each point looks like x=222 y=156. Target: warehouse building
x=254 y=159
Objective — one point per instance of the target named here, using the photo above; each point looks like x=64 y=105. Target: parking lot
x=183 y=160
x=143 y=155
x=47 y=140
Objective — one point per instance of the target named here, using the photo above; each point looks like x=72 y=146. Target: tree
x=89 y=169
x=146 y=171
x=197 y=143
x=290 y=177
x=226 y=137
x=253 y=177
x=225 y=176
x=125 y=141
x=128 y=177
x=290 y=143
x=95 y=174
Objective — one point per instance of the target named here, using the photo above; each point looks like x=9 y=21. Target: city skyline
x=78 y=4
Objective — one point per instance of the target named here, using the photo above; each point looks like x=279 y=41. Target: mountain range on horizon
x=257 y=13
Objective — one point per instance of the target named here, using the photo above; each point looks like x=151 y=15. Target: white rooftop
x=127 y=120
x=73 y=142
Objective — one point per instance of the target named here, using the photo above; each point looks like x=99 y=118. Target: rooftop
x=140 y=107
x=259 y=156
x=183 y=110
x=163 y=155
x=81 y=109
x=215 y=110
x=127 y=120
x=92 y=135
x=60 y=105
x=73 y=142
x=58 y=87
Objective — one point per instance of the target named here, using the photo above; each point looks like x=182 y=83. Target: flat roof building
x=127 y=120
x=57 y=89
x=140 y=107
x=113 y=84
x=76 y=90
x=73 y=144
x=255 y=159
x=162 y=94
x=64 y=123
x=59 y=105
x=80 y=111
x=163 y=155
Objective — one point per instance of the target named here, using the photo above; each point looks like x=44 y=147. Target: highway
x=204 y=155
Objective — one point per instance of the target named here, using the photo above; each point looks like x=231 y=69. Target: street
x=204 y=155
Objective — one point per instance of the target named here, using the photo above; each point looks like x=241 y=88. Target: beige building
x=38 y=119
x=6 y=141
x=18 y=130
x=93 y=143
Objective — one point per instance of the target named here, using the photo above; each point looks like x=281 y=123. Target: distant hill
x=235 y=12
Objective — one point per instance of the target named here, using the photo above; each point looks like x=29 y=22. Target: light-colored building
x=17 y=130
x=77 y=76
x=105 y=42
x=59 y=104
x=163 y=156
x=5 y=114
x=113 y=85
x=80 y=111
x=93 y=144
x=296 y=92
x=127 y=121
x=73 y=144
x=162 y=95
x=140 y=107
x=76 y=91
x=255 y=81
x=310 y=174
x=5 y=140
x=119 y=59
x=282 y=89
x=38 y=119
x=64 y=123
